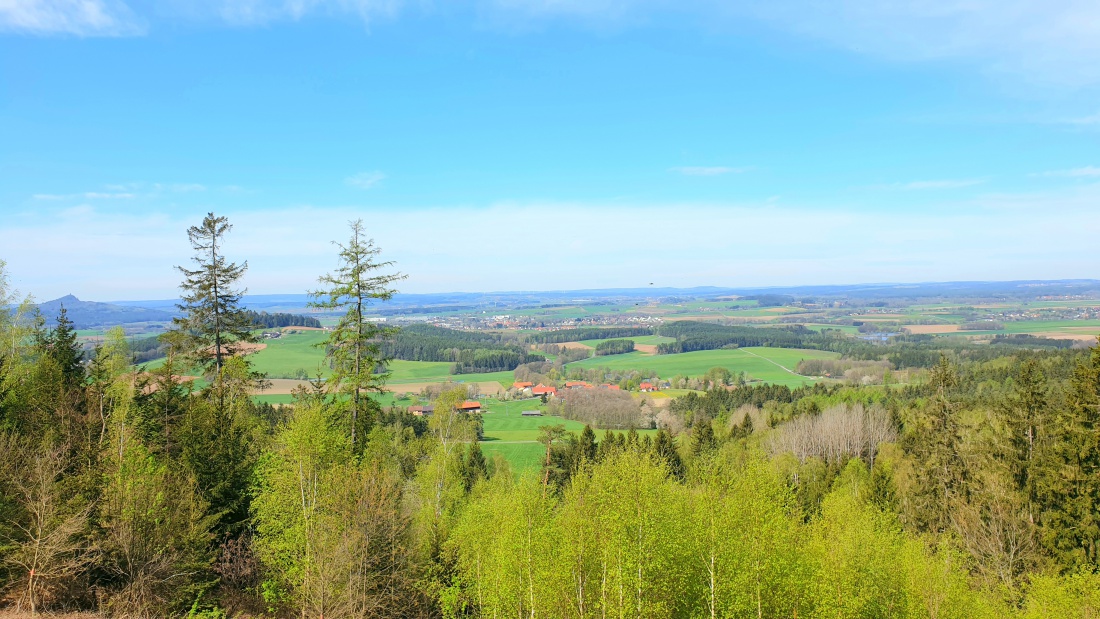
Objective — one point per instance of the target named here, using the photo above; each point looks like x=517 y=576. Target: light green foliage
x=156 y=534
x=330 y=530
x=1076 y=596
x=744 y=541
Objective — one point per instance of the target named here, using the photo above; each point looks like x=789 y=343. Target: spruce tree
x=66 y=350
x=665 y=450
x=354 y=344
x=213 y=325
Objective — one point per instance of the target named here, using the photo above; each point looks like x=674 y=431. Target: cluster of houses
x=541 y=389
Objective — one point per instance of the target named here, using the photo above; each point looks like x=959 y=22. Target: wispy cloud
x=248 y=12
x=124 y=191
x=1084 y=120
x=1083 y=172
x=708 y=170
x=1040 y=235
x=85 y=18
x=365 y=180
x=932 y=184
x=87 y=195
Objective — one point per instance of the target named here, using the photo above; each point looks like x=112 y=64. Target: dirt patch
x=281 y=386
x=1062 y=335
x=646 y=349
x=575 y=345
x=929 y=329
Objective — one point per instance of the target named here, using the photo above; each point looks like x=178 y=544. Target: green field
x=1081 y=328
x=515 y=437
x=765 y=364
x=290 y=353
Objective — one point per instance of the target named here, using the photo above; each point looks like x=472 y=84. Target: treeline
x=587 y=333
x=470 y=351
x=614 y=347
x=279 y=319
x=138 y=500
x=691 y=336
x=902 y=351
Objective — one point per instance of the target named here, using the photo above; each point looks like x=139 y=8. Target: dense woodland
x=970 y=491
x=614 y=347
x=275 y=320
x=469 y=351
x=587 y=333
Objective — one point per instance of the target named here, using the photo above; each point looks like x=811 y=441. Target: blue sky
x=503 y=144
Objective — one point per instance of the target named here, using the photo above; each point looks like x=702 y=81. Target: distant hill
x=92 y=315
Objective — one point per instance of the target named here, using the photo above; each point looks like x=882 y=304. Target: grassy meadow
x=515 y=437
x=775 y=365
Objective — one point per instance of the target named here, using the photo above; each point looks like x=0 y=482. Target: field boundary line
x=785 y=368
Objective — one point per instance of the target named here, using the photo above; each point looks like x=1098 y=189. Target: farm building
x=609 y=386
x=470 y=406
x=531 y=413
x=544 y=390
x=522 y=386
x=647 y=387
x=422 y=411
x=576 y=384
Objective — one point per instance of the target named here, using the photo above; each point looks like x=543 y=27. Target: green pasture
x=760 y=363
x=515 y=437
x=293 y=351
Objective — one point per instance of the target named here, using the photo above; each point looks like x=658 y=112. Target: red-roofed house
x=470 y=406
x=645 y=387
x=609 y=386
x=541 y=389
x=522 y=386
x=576 y=384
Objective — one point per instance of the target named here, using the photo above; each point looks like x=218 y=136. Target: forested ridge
x=470 y=351
x=587 y=333
x=280 y=319
x=971 y=493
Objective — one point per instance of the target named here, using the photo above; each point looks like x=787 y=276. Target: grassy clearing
x=515 y=437
x=284 y=356
x=764 y=364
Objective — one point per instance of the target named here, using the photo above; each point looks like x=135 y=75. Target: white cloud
x=365 y=180
x=1038 y=41
x=86 y=18
x=1084 y=172
x=708 y=170
x=932 y=184
x=1042 y=41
